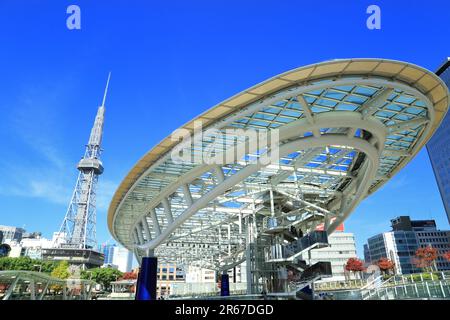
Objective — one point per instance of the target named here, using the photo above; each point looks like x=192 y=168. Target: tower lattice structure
x=78 y=230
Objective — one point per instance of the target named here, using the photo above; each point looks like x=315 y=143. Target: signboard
x=340 y=227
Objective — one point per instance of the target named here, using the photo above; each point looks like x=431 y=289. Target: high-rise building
x=341 y=247
x=439 y=148
x=108 y=252
x=122 y=258
x=400 y=244
x=11 y=234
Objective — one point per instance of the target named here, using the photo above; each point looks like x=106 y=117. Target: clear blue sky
x=170 y=61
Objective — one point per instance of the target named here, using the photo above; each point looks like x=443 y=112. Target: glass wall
x=439 y=151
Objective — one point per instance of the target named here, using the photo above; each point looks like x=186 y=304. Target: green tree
x=20 y=263
x=61 y=271
x=26 y=264
x=5 y=263
x=103 y=276
x=47 y=266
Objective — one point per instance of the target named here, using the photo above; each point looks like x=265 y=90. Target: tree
x=47 y=266
x=20 y=263
x=385 y=265
x=425 y=257
x=103 y=276
x=26 y=264
x=354 y=265
x=129 y=276
x=446 y=256
x=61 y=271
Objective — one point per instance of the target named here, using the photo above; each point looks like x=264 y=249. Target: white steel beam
x=167 y=210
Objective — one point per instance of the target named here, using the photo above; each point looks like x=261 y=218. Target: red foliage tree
x=446 y=256
x=385 y=265
x=355 y=265
x=425 y=257
x=129 y=276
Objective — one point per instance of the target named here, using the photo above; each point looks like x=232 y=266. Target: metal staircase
x=283 y=234
x=301 y=275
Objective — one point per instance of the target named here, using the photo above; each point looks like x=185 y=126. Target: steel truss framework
x=79 y=224
x=345 y=128
x=39 y=284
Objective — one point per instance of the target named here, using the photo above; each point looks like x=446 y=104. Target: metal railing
x=435 y=285
x=195 y=289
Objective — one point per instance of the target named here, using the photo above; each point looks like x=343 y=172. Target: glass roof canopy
x=345 y=128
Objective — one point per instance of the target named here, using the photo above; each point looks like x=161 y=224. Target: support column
x=225 y=285
x=32 y=290
x=146 y=282
x=248 y=269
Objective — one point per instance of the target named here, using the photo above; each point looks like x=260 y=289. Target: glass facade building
x=439 y=148
x=400 y=244
x=108 y=251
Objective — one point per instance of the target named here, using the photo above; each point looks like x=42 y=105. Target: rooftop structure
x=334 y=133
x=11 y=234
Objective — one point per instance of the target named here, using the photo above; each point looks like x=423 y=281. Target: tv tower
x=79 y=225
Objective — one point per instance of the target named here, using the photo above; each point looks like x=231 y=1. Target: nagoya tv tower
x=79 y=225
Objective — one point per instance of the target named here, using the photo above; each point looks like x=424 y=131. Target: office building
x=427 y=234
x=401 y=244
x=122 y=258
x=11 y=234
x=342 y=247
x=439 y=148
x=168 y=274
x=108 y=252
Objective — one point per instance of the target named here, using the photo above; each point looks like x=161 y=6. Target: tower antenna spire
x=106 y=89
x=79 y=225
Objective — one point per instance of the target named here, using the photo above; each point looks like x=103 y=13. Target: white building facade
x=122 y=258
x=341 y=247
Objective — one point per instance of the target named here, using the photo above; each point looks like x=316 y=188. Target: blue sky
x=170 y=62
